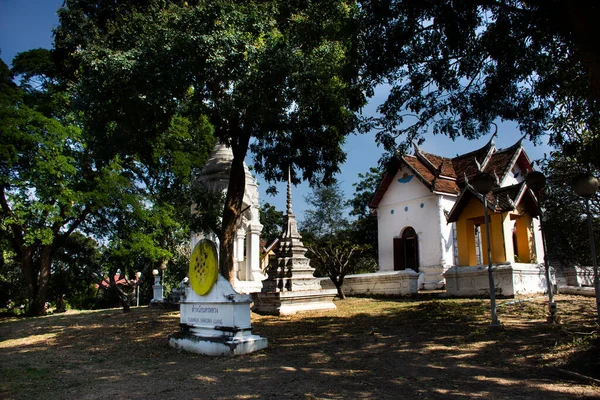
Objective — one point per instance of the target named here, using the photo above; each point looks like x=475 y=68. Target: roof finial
x=416 y=148
x=494 y=135
x=289 y=191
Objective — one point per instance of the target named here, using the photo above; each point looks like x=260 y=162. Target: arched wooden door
x=406 y=250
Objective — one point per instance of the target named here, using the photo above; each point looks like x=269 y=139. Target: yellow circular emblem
x=204 y=267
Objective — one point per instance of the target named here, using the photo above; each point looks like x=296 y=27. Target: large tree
x=49 y=186
x=57 y=180
x=278 y=77
x=454 y=67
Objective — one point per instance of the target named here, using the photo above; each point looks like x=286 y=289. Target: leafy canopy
x=276 y=71
x=455 y=67
x=278 y=77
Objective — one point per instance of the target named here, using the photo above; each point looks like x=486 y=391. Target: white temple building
x=430 y=221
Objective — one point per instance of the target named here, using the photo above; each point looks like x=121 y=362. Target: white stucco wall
x=409 y=203
x=537 y=237
x=447 y=235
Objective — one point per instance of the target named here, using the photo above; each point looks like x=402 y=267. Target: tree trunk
x=233 y=208
x=45 y=263
x=29 y=274
x=340 y=292
x=338 y=285
x=37 y=285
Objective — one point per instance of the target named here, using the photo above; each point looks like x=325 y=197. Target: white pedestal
x=158 y=293
x=217 y=323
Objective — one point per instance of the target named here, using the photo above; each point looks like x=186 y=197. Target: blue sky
x=27 y=24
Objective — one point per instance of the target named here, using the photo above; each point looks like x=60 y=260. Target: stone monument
x=214 y=318
x=157 y=289
x=214 y=177
x=291 y=286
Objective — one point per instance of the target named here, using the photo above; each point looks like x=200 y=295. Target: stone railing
x=579 y=275
x=509 y=280
x=396 y=283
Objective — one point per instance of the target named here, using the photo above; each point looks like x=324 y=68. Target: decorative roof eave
x=445 y=193
x=529 y=194
x=268 y=248
x=430 y=185
x=528 y=167
x=381 y=189
x=519 y=196
x=389 y=178
x=514 y=159
x=421 y=157
x=462 y=202
x=491 y=150
x=499 y=200
x=450 y=178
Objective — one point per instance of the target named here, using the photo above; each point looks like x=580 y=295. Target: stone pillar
x=500 y=227
x=465 y=232
x=238 y=255
x=525 y=251
x=158 y=293
x=253 y=271
x=442 y=238
x=157 y=289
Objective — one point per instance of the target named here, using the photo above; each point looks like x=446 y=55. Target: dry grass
x=366 y=349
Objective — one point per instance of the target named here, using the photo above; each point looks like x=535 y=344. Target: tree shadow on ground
x=367 y=349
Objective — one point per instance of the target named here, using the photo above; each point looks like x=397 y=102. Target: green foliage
x=74 y=270
x=327 y=209
x=330 y=239
x=565 y=220
x=364 y=190
x=37 y=70
x=278 y=77
x=256 y=69
x=456 y=67
x=60 y=194
x=50 y=186
x=12 y=286
x=272 y=222
x=365 y=225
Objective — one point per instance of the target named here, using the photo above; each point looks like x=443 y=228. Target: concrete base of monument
x=217 y=346
x=247 y=287
x=289 y=303
x=217 y=323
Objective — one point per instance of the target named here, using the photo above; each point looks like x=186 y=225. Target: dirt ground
x=367 y=349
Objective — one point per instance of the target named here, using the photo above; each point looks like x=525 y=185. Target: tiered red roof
x=447 y=175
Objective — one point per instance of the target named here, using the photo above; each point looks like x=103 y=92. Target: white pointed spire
x=289 y=192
